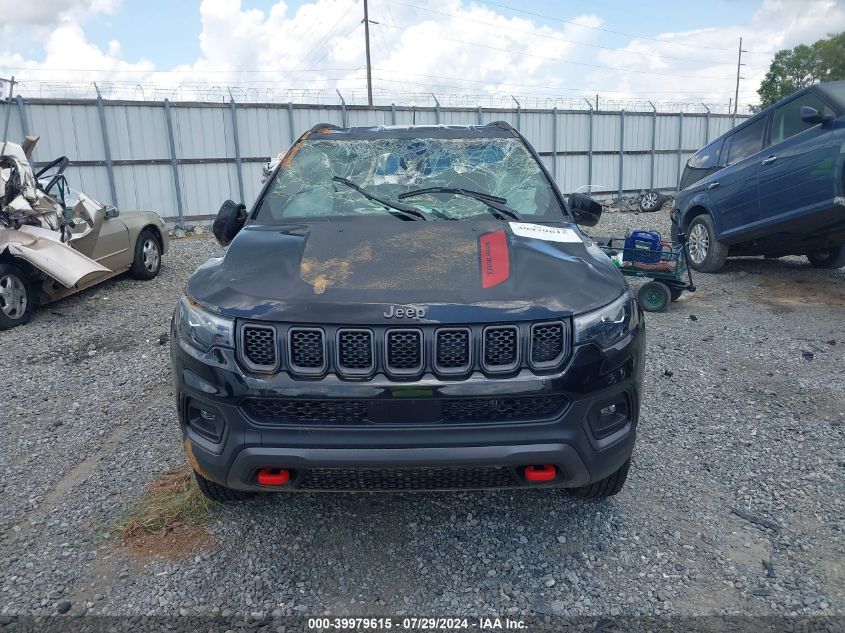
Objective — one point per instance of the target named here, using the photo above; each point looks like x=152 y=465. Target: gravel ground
x=734 y=503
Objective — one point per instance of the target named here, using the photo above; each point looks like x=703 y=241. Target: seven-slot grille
x=259 y=346
x=404 y=351
x=307 y=350
x=546 y=343
x=501 y=347
x=355 y=351
x=359 y=352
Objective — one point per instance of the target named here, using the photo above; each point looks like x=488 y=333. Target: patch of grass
x=172 y=500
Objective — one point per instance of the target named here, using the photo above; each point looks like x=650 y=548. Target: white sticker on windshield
x=543 y=232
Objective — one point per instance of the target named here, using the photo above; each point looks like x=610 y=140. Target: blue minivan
x=773 y=186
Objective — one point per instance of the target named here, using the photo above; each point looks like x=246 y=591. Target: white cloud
x=448 y=47
x=46 y=12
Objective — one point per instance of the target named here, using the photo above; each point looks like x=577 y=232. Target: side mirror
x=587 y=211
x=112 y=212
x=229 y=221
x=811 y=116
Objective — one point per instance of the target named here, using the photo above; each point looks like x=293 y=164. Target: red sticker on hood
x=495 y=261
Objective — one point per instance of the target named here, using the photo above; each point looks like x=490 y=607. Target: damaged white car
x=55 y=241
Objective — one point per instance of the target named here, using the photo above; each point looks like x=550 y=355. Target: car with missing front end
x=403 y=308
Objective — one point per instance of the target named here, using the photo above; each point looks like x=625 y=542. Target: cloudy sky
x=464 y=51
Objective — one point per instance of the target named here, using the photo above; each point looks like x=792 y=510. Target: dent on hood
x=33 y=225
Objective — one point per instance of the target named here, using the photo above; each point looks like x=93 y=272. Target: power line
x=599 y=28
x=565 y=61
x=551 y=37
x=126 y=70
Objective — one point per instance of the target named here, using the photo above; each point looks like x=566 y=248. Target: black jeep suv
x=408 y=308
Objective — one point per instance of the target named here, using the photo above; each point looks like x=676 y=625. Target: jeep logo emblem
x=410 y=312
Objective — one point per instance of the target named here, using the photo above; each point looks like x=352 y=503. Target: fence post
x=8 y=109
x=518 y=112
x=621 y=150
x=590 y=148
x=233 y=109
x=706 y=125
x=106 y=147
x=342 y=108
x=554 y=143
x=393 y=113
x=653 y=143
x=436 y=109
x=173 y=162
x=22 y=112
x=290 y=123
x=480 y=116
x=680 y=141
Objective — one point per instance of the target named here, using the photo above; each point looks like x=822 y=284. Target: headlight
x=203 y=329
x=607 y=325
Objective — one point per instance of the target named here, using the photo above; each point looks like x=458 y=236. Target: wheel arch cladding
x=693 y=212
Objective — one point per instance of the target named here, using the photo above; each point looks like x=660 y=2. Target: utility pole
x=369 y=67
x=738 y=64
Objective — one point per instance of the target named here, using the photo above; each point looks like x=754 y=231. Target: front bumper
x=477 y=454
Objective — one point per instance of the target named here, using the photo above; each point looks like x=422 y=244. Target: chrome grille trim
x=489 y=332
x=420 y=350
x=339 y=352
x=306 y=370
x=243 y=348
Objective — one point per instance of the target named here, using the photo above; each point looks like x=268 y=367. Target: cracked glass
x=304 y=187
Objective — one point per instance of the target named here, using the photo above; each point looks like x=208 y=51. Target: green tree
x=802 y=66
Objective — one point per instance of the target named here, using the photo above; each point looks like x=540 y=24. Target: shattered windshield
x=306 y=185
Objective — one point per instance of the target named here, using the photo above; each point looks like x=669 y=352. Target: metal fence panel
x=207 y=160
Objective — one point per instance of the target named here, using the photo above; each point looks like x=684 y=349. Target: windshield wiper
x=397 y=206
x=493 y=202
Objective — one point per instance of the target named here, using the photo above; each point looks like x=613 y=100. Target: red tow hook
x=546 y=472
x=273 y=476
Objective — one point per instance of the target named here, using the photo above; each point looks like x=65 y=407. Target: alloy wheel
x=13 y=298
x=698 y=243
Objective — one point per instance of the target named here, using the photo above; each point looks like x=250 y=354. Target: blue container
x=643 y=246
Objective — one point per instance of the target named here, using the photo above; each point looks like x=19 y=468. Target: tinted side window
x=748 y=141
x=787 y=121
x=701 y=164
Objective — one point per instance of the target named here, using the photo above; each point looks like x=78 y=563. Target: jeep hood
x=459 y=271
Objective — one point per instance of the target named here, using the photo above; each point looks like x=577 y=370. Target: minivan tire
x=830 y=258
x=706 y=253
x=16 y=297
x=606 y=487
x=221 y=494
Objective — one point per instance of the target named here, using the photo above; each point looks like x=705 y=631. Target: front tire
x=221 y=494
x=147 y=261
x=706 y=253
x=829 y=259
x=16 y=300
x=606 y=487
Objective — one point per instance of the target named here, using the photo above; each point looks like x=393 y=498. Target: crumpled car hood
x=43 y=249
x=460 y=271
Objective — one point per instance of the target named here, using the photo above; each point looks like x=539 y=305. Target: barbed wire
x=223 y=93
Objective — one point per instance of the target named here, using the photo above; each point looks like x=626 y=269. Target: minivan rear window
x=747 y=141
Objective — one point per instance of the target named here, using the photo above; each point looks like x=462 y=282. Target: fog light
x=207 y=415
x=204 y=420
x=609 y=416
